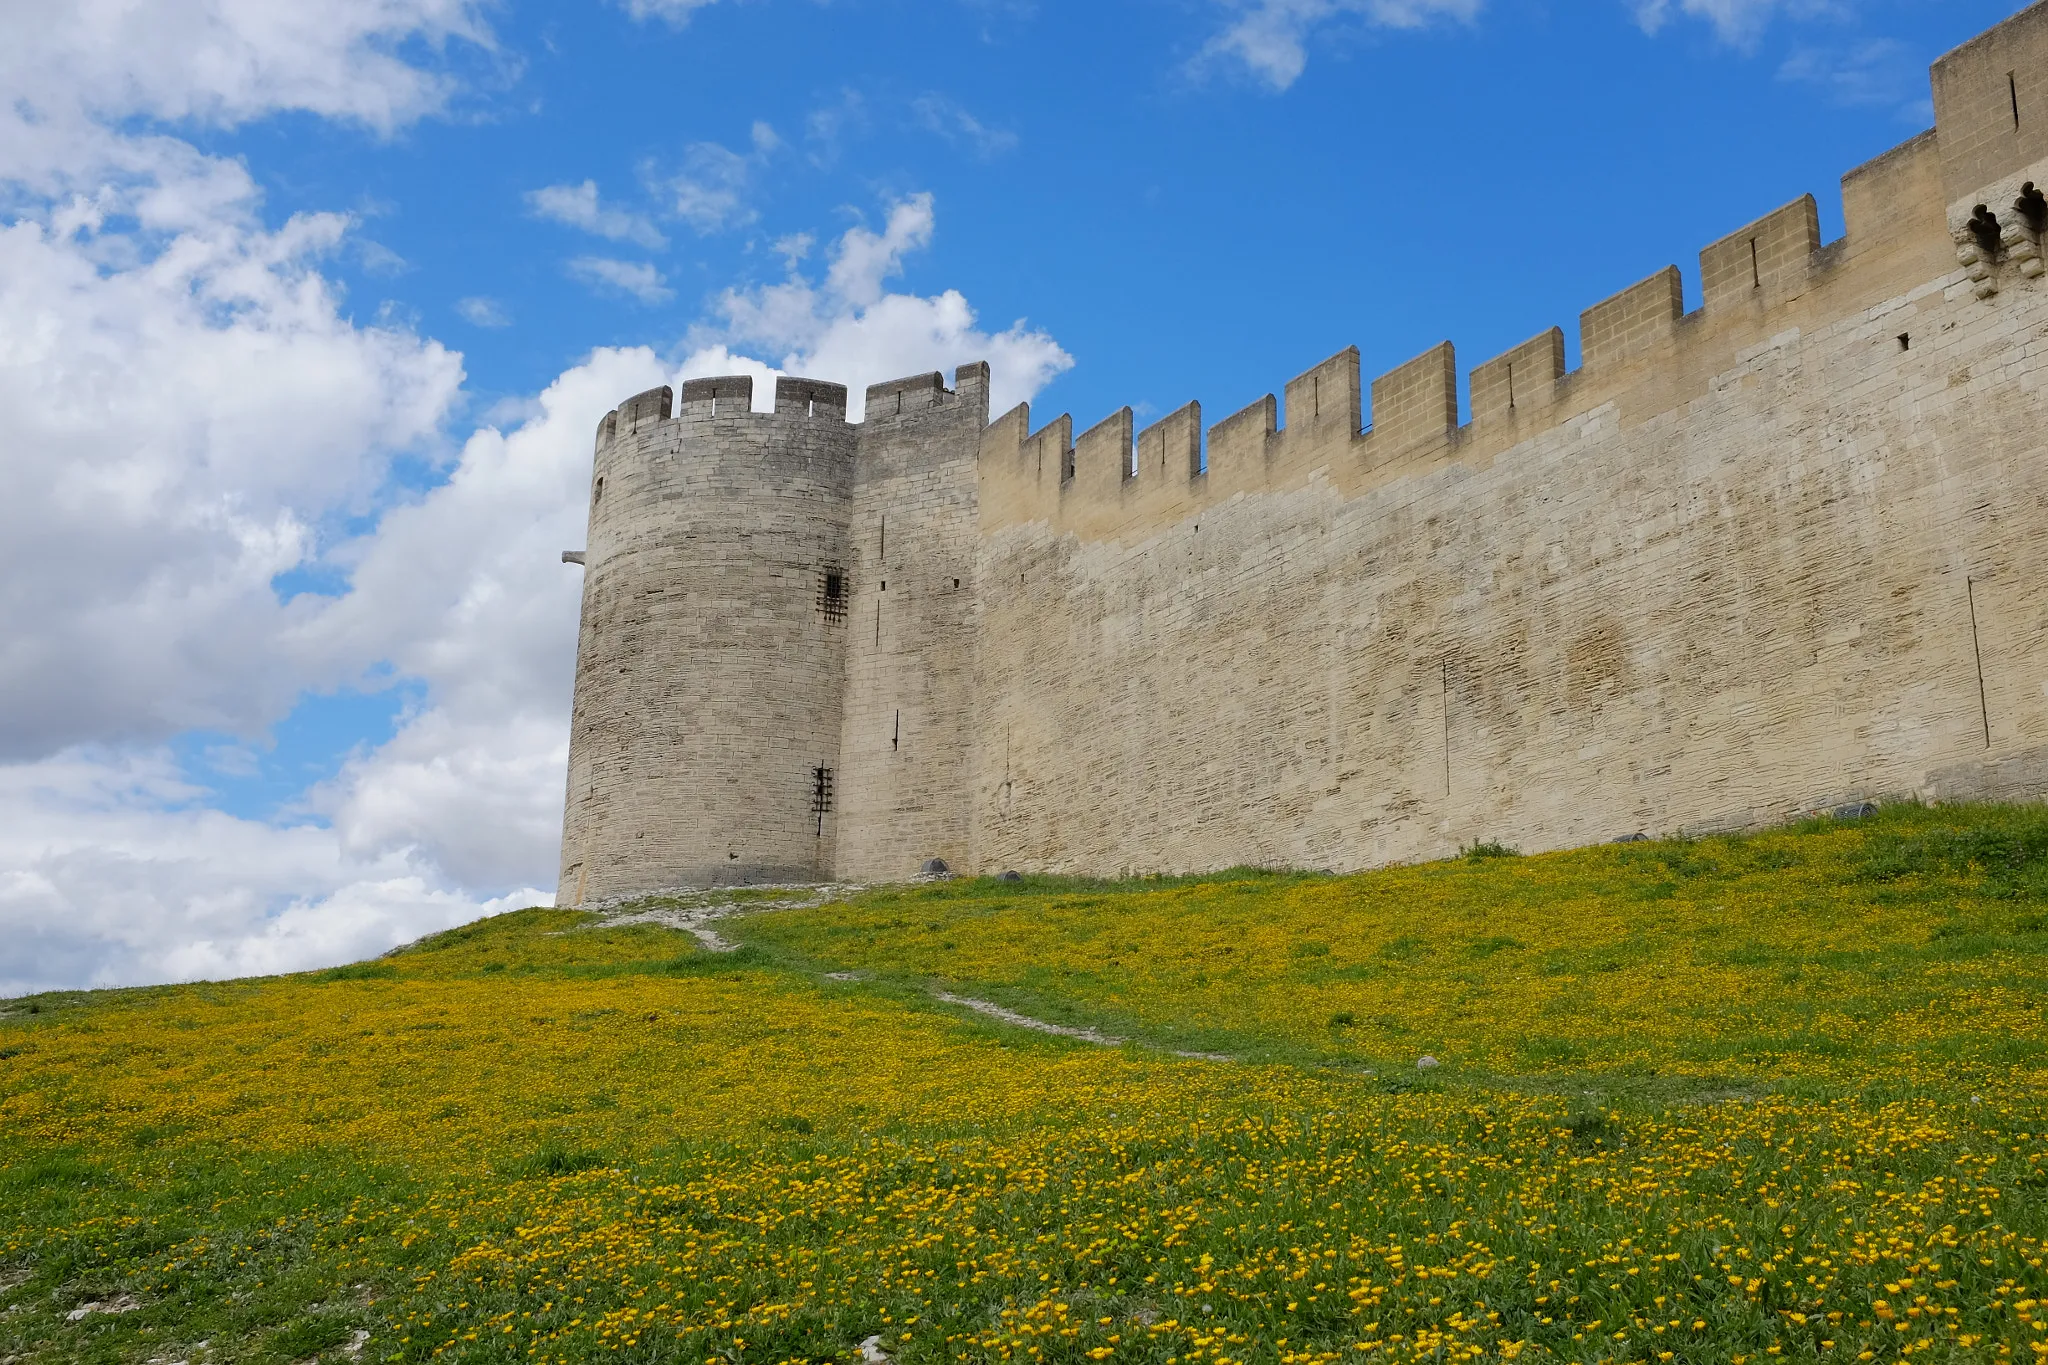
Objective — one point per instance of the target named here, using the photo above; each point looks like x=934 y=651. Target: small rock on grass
x=1425 y=1063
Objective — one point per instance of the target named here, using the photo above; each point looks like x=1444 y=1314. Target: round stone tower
x=707 y=716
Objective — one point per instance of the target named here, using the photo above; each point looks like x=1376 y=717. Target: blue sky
x=1181 y=226
x=306 y=316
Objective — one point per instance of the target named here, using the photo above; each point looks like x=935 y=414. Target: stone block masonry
x=1782 y=551
x=710 y=670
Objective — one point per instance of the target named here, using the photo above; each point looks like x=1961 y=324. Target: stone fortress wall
x=906 y=746
x=1779 y=552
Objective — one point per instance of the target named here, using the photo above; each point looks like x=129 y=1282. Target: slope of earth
x=1723 y=1101
x=1903 y=952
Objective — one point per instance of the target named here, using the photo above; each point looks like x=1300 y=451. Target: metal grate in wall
x=821 y=796
x=833 y=596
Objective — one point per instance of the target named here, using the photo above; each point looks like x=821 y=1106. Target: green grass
x=1726 y=1098
x=1823 y=957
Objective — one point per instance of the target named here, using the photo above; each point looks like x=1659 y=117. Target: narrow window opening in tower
x=1067 y=465
x=1511 y=386
x=956 y=582
x=899 y=402
x=1905 y=341
x=821 y=796
x=878 y=623
x=1131 y=461
x=597 y=493
x=2012 y=87
x=1315 y=396
x=832 y=596
x=811 y=408
x=714 y=405
x=896 y=735
x=1756 y=271
x=883 y=553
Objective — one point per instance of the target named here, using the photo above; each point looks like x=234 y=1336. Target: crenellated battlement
x=729 y=395
x=809 y=398
x=919 y=393
x=898 y=397
x=1909 y=218
x=1523 y=382
x=1765 y=263
x=639 y=411
x=730 y=398
x=723 y=397
x=1774 y=547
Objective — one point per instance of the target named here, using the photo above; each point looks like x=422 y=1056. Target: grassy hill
x=1719 y=1100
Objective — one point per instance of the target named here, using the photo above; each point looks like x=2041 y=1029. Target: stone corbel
x=2023 y=249
x=2022 y=236
x=1978 y=245
x=1974 y=259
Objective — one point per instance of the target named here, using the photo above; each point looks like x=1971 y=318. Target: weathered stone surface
x=709 y=677
x=1779 y=554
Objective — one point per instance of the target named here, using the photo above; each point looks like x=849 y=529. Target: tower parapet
x=1909 y=214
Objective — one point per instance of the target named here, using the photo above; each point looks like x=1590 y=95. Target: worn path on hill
x=694 y=912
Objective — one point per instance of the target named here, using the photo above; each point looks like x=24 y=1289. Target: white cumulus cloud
x=190 y=410
x=73 y=71
x=181 y=429
x=114 y=870
x=198 y=432
x=851 y=329
x=113 y=867
x=466 y=590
